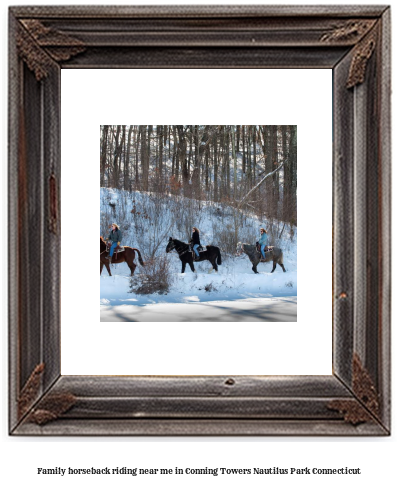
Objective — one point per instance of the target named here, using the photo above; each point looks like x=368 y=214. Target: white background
x=20 y=457
x=93 y=97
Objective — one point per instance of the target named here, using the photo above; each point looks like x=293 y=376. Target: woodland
x=252 y=168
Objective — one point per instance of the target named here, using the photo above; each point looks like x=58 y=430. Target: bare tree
x=103 y=155
x=227 y=164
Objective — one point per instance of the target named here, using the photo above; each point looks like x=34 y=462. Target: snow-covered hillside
x=147 y=221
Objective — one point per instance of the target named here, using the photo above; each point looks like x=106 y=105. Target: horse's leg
x=274 y=266
x=282 y=266
x=191 y=263
x=132 y=267
x=183 y=266
x=107 y=267
x=254 y=269
x=128 y=256
x=215 y=267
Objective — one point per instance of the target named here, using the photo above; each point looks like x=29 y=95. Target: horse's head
x=171 y=245
x=248 y=249
x=103 y=244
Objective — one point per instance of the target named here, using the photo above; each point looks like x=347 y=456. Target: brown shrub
x=156 y=278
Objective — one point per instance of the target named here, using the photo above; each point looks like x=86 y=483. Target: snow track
x=274 y=309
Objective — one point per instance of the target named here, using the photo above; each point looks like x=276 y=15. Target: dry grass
x=156 y=278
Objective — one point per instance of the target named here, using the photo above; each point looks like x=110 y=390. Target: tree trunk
x=276 y=177
x=136 y=168
x=144 y=158
x=103 y=157
x=127 y=159
x=117 y=151
x=235 y=162
x=196 y=168
x=160 y=156
x=175 y=155
x=215 y=170
x=227 y=159
x=183 y=155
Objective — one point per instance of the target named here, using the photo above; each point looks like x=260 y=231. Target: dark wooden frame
x=353 y=41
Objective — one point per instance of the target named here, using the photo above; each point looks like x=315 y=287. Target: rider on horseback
x=115 y=237
x=263 y=240
x=195 y=241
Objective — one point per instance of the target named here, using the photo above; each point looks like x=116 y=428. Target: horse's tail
x=219 y=260
x=140 y=258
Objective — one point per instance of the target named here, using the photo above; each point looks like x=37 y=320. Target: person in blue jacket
x=263 y=241
x=115 y=237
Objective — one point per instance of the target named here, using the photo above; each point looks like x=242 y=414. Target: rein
x=105 y=250
x=182 y=251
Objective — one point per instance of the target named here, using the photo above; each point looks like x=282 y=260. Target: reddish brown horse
x=128 y=255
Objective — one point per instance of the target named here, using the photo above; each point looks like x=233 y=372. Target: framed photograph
x=153 y=45
x=196 y=191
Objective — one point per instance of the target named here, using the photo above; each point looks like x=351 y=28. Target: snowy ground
x=242 y=310
x=235 y=293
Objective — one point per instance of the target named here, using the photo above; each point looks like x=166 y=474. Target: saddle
x=191 y=249
x=118 y=249
x=269 y=248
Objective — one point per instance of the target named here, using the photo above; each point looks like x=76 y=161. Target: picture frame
x=352 y=41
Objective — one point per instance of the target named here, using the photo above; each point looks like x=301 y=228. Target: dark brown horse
x=128 y=255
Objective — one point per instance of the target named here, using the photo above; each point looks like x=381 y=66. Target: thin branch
x=242 y=201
